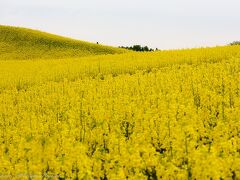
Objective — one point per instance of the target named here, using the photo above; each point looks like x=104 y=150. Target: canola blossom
x=158 y=115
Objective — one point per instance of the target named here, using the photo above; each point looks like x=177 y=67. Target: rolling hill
x=23 y=43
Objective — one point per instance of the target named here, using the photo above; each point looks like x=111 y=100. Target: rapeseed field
x=156 y=115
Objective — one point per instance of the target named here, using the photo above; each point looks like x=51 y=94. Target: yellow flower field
x=158 y=115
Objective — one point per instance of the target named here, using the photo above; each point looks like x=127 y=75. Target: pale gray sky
x=167 y=24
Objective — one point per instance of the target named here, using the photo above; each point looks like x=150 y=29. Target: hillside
x=22 y=43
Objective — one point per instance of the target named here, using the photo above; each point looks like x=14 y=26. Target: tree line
x=138 y=48
x=234 y=43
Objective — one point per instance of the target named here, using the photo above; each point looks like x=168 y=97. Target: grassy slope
x=22 y=43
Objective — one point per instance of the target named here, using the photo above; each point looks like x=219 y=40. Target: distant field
x=168 y=114
x=22 y=43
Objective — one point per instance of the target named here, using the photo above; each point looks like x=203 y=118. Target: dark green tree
x=235 y=43
x=137 y=48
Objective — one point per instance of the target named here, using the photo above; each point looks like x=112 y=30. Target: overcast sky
x=166 y=24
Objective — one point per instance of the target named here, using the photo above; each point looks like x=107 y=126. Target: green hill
x=22 y=43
